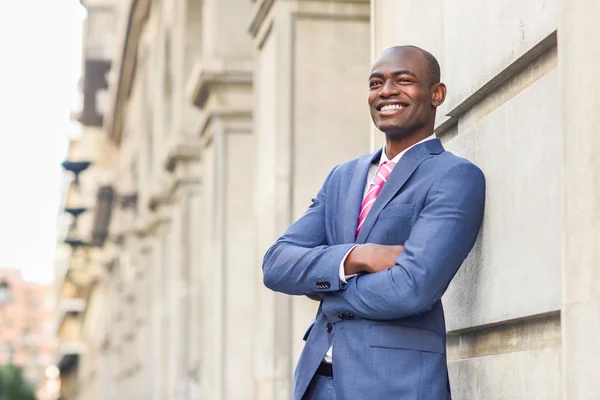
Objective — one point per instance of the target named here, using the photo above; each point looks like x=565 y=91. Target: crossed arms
x=394 y=281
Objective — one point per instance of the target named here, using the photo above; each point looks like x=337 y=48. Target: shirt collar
x=395 y=160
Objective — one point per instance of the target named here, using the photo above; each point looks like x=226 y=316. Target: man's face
x=400 y=94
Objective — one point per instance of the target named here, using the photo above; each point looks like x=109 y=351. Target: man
x=379 y=245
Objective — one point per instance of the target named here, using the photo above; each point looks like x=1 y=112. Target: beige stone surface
x=515 y=268
x=581 y=264
x=514 y=376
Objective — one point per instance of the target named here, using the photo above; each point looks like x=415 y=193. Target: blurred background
x=154 y=149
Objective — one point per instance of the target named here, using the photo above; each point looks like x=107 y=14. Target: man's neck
x=397 y=146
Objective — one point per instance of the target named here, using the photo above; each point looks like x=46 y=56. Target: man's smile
x=391 y=109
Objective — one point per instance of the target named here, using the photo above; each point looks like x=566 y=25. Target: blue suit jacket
x=388 y=327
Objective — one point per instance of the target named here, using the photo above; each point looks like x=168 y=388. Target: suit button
x=350 y=316
x=342 y=316
x=323 y=285
x=329 y=327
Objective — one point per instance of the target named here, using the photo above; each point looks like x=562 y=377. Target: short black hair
x=434 y=73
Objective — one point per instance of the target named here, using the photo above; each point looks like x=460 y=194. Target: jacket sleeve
x=439 y=242
x=301 y=261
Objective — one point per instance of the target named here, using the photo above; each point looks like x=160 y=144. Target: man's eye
x=404 y=80
x=372 y=84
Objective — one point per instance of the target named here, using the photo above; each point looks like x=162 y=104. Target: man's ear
x=438 y=94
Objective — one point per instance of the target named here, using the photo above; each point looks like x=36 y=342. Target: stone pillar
x=211 y=286
x=579 y=59
x=221 y=85
x=183 y=165
x=157 y=307
x=196 y=278
x=310 y=114
x=227 y=267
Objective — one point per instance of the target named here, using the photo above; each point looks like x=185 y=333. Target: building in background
x=220 y=121
x=27 y=328
x=86 y=208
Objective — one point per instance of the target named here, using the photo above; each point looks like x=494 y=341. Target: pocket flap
x=405 y=337
x=397 y=210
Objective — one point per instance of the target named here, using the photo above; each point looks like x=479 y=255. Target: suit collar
x=400 y=174
x=395 y=160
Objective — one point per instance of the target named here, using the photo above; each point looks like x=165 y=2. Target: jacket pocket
x=405 y=337
x=397 y=210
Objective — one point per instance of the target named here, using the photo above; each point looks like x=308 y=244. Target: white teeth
x=392 y=107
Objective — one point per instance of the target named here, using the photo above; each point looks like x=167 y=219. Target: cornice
x=203 y=79
x=182 y=150
x=125 y=65
x=263 y=8
x=150 y=225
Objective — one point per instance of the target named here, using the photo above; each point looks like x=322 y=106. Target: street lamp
x=76 y=167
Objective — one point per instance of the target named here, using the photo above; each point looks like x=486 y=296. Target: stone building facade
x=221 y=120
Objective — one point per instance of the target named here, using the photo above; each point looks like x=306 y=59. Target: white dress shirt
x=370 y=177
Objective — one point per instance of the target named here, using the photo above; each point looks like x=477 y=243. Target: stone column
x=185 y=178
x=227 y=267
x=579 y=58
x=221 y=86
x=195 y=338
x=157 y=305
x=211 y=285
x=310 y=114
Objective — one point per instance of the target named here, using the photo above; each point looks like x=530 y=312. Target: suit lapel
x=401 y=173
x=355 y=195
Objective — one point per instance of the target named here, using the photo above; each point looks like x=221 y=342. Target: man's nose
x=388 y=89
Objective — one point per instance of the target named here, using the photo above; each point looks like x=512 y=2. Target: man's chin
x=392 y=129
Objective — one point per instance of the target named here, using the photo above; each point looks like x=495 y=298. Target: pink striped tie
x=383 y=172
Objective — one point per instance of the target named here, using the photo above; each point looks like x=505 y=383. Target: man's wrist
x=343 y=276
x=353 y=264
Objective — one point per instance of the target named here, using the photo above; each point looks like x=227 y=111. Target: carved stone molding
x=125 y=66
x=204 y=80
x=182 y=150
x=263 y=7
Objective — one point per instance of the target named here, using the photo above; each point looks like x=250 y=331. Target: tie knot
x=383 y=172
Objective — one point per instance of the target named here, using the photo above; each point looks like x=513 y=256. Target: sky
x=40 y=64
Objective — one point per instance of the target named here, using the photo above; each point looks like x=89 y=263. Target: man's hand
x=371 y=258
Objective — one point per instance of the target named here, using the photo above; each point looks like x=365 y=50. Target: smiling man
x=379 y=245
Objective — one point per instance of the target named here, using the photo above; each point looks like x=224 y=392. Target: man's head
x=404 y=92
